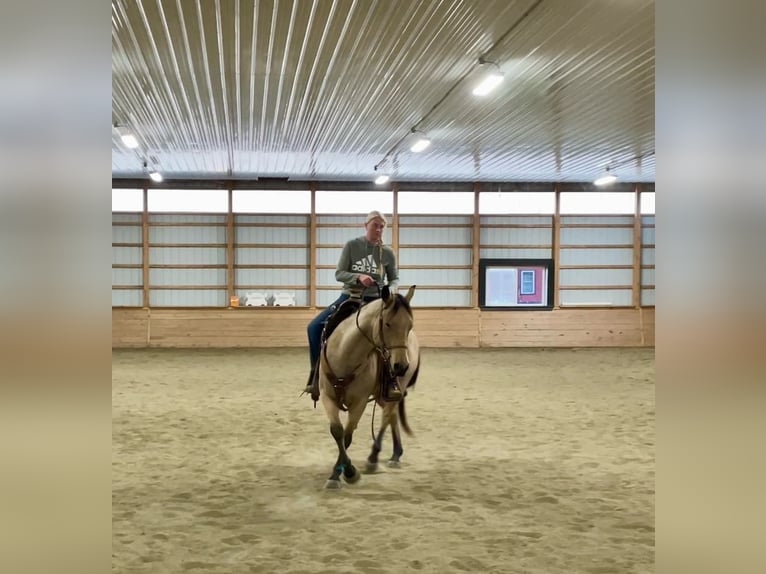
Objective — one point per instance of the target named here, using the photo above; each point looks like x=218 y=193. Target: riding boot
x=310 y=382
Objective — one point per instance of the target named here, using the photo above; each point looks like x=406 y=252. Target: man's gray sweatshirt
x=360 y=257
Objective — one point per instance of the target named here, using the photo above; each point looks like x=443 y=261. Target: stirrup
x=393 y=392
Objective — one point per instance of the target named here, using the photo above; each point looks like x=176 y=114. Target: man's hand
x=366 y=280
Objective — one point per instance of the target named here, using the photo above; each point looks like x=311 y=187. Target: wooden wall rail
x=436 y=327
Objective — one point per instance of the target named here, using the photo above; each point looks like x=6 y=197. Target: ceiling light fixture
x=491 y=77
x=154 y=175
x=419 y=142
x=605 y=179
x=127 y=137
x=382 y=178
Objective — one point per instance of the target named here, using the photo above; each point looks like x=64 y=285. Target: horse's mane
x=400 y=301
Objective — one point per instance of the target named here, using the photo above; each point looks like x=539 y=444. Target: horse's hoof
x=394 y=464
x=353 y=478
x=371 y=467
x=332 y=484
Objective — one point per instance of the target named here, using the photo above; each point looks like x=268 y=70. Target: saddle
x=344 y=311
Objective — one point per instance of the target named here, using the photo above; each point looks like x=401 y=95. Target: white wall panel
x=188 y=298
x=271 y=276
x=595 y=256
x=647 y=256
x=435 y=219
x=186 y=218
x=347 y=219
x=596 y=236
x=303 y=219
x=127 y=218
x=647 y=277
x=327 y=277
x=187 y=277
x=127 y=277
x=514 y=253
x=187 y=255
x=595 y=277
x=127 y=298
x=515 y=236
x=434 y=256
x=647 y=235
x=647 y=296
x=328 y=256
x=271 y=235
x=425 y=235
x=199 y=235
x=510 y=219
x=271 y=256
x=339 y=235
x=127 y=255
x=126 y=234
x=435 y=276
x=596 y=220
x=619 y=297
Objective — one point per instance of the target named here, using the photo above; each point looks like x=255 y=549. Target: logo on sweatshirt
x=368 y=266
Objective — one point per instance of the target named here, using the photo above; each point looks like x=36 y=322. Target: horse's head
x=395 y=325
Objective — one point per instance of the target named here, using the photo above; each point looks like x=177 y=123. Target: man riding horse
x=364 y=264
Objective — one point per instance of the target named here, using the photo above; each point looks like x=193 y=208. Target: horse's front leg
x=393 y=462
x=336 y=430
x=350 y=473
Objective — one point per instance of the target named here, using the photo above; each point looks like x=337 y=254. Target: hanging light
x=127 y=137
x=154 y=175
x=605 y=179
x=420 y=142
x=491 y=77
x=381 y=179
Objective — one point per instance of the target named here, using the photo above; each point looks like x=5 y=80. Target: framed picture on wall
x=516 y=284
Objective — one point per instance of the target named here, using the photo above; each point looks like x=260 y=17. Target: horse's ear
x=410 y=293
x=385 y=292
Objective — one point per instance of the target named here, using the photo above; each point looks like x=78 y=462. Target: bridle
x=383 y=349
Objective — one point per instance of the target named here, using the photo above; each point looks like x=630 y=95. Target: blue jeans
x=316 y=326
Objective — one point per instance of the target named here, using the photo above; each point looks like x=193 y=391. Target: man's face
x=375 y=229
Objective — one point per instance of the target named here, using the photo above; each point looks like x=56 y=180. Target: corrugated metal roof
x=328 y=89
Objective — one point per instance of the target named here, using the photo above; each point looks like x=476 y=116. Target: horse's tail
x=402 y=411
x=414 y=377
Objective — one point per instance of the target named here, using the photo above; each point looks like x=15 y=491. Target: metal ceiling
x=328 y=89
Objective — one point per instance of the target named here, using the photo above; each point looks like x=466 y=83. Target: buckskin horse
x=360 y=358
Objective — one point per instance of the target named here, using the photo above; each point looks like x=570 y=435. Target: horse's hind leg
x=372 y=460
x=393 y=462
x=377 y=444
